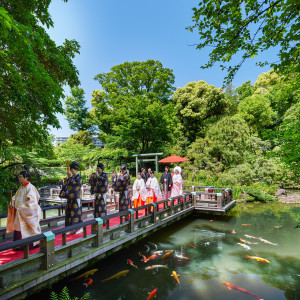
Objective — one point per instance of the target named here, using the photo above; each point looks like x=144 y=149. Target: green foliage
x=134 y=109
x=65 y=295
x=245 y=90
x=246 y=28
x=256 y=111
x=197 y=105
x=259 y=195
x=82 y=138
x=33 y=72
x=76 y=112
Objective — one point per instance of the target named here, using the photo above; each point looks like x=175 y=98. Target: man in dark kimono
x=121 y=186
x=114 y=176
x=143 y=174
x=167 y=182
x=99 y=184
x=148 y=174
x=71 y=191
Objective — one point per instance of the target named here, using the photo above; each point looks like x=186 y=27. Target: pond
x=216 y=260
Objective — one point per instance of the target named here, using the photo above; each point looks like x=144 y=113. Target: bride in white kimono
x=153 y=189
x=177 y=182
x=139 y=191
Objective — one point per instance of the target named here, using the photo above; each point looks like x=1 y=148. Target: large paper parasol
x=173 y=159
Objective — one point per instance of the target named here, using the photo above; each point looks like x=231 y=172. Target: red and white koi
x=87 y=281
x=251 y=237
x=130 y=262
x=247 y=242
x=144 y=258
x=267 y=242
x=156 y=267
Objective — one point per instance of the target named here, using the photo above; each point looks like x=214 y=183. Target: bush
x=259 y=195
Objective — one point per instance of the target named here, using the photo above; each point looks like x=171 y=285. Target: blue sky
x=112 y=32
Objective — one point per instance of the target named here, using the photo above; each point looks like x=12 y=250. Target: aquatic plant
x=65 y=295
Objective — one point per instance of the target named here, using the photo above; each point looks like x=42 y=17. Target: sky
x=116 y=31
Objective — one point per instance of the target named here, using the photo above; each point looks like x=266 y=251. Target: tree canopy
x=33 y=70
x=246 y=28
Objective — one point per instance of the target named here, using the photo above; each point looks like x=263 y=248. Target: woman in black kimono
x=71 y=191
x=99 y=184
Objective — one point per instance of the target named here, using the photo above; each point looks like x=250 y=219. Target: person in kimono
x=71 y=191
x=143 y=175
x=121 y=185
x=99 y=185
x=148 y=174
x=166 y=181
x=153 y=189
x=23 y=218
x=114 y=176
x=139 y=191
x=177 y=183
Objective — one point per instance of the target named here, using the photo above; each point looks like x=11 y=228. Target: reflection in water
x=216 y=258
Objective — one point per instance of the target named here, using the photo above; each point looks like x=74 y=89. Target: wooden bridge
x=61 y=255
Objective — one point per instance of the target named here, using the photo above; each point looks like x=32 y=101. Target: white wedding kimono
x=177 y=185
x=153 y=190
x=139 y=192
x=25 y=214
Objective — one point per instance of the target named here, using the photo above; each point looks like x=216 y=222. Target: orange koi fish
x=233 y=231
x=192 y=246
x=168 y=254
x=159 y=252
x=175 y=275
x=258 y=258
x=144 y=258
x=151 y=257
x=239 y=289
x=152 y=294
x=277 y=226
x=131 y=263
x=212 y=220
x=246 y=224
x=87 y=281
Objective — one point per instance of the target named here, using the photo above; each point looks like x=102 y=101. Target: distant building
x=94 y=138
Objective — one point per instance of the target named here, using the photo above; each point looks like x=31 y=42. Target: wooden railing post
x=153 y=219
x=131 y=221
x=219 y=200
x=194 y=197
x=47 y=247
x=171 y=206
x=97 y=229
x=184 y=201
x=193 y=188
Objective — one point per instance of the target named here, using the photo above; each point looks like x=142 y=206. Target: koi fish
x=233 y=231
x=131 y=263
x=175 y=275
x=211 y=220
x=156 y=267
x=246 y=224
x=247 y=242
x=85 y=274
x=167 y=254
x=239 y=289
x=252 y=237
x=152 y=294
x=258 y=258
x=151 y=257
x=87 y=281
x=181 y=256
x=148 y=248
x=277 y=226
x=152 y=244
x=116 y=276
x=192 y=246
x=158 y=252
x=267 y=242
x=144 y=258
x=244 y=246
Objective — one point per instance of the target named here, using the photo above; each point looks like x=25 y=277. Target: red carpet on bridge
x=11 y=255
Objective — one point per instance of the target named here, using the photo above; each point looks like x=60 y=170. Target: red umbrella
x=173 y=159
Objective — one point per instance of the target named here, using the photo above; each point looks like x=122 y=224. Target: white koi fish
x=267 y=242
x=244 y=246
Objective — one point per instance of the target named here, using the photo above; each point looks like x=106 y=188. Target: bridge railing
x=97 y=233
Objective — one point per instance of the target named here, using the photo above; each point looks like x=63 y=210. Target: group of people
x=23 y=218
x=146 y=188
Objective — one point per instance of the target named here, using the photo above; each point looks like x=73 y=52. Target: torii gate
x=138 y=159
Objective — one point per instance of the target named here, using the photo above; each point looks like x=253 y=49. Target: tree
x=134 y=110
x=33 y=71
x=246 y=28
x=76 y=112
x=256 y=111
x=245 y=90
x=197 y=105
x=82 y=137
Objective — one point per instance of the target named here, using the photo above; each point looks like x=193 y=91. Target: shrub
x=259 y=195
